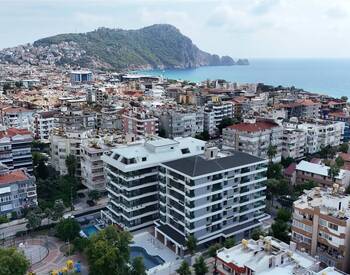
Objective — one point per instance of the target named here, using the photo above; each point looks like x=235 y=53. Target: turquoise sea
x=326 y=76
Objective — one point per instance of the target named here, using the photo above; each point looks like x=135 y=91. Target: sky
x=239 y=28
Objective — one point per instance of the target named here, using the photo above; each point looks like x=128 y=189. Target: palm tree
x=333 y=171
x=213 y=250
x=271 y=152
x=191 y=244
x=200 y=267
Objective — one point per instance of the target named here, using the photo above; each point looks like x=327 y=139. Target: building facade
x=293 y=143
x=210 y=196
x=138 y=122
x=214 y=112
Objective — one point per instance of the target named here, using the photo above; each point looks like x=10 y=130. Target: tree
x=280 y=230
x=287 y=161
x=191 y=244
x=13 y=262
x=138 y=267
x=257 y=232
x=339 y=161
x=344 y=98
x=277 y=188
x=108 y=252
x=33 y=219
x=67 y=229
x=299 y=188
x=41 y=171
x=229 y=242
x=71 y=164
x=333 y=171
x=225 y=122
x=200 y=267
x=327 y=152
x=283 y=215
x=58 y=210
x=80 y=244
x=344 y=147
x=203 y=136
x=162 y=132
x=271 y=152
x=212 y=251
x=274 y=171
x=184 y=269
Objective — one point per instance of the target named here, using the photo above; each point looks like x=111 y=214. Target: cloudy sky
x=240 y=28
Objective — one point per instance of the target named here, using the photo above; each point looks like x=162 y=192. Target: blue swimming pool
x=148 y=260
x=90 y=230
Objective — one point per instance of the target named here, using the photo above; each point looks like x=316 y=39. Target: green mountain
x=156 y=46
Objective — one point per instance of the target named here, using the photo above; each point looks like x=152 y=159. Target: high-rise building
x=132 y=178
x=210 y=196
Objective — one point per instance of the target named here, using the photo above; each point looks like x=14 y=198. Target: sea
x=324 y=76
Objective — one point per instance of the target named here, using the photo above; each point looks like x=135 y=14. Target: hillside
x=156 y=46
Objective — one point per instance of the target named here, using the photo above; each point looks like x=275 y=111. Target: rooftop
x=318 y=169
x=13 y=176
x=254 y=127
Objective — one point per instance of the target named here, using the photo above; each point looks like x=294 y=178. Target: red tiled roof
x=254 y=127
x=13 y=176
x=11 y=132
x=15 y=110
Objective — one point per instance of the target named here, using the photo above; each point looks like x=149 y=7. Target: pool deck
x=154 y=247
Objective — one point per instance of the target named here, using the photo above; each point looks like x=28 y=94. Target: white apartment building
x=321 y=133
x=43 y=124
x=254 y=137
x=321 y=226
x=293 y=143
x=139 y=122
x=132 y=178
x=269 y=256
x=214 y=112
x=210 y=196
x=17 y=117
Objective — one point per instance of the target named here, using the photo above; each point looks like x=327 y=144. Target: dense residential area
x=126 y=173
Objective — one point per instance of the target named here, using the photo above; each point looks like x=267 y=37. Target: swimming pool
x=90 y=230
x=148 y=260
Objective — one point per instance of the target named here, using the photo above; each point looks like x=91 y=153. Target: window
x=144 y=159
x=185 y=151
x=333 y=226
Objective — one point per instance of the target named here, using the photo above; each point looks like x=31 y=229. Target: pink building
x=138 y=122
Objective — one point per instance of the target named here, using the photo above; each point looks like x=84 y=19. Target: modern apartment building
x=254 y=137
x=138 y=122
x=17 y=190
x=210 y=196
x=182 y=123
x=321 y=226
x=214 y=112
x=293 y=143
x=43 y=124
x=132 y=178
x=318 y=173
x=269 y=256
x=15 y=149
x=81 y=77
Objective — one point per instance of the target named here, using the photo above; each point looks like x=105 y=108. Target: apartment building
x=318 y=173
x=81 y=77
x=300 y=108
x=343 y=116
x=269 y=256
x=15 y=149
x=76 y=119
x=210 y=196
x=92 y=149
x=43 y=124
x=17 y=190
x=321 y=226
x=319 y=133
x=182 y=123
x=214 y=112
x=17 y=117
x=293 y=143
x=254 y=137
x=137 y=121
x=132 y=178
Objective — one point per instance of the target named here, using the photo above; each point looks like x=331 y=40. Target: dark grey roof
x=172 y=233
x=197 y=165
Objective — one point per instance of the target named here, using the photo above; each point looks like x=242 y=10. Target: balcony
x=244 y=199
x=216 y=197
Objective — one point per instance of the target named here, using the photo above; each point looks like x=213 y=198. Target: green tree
x=67 y=229
x=339 y=161
x=184 y=269
x=34 y=218
x=344 y=147
x=284 y=215
x=203 y=136
x=191 y=244
x=80 y=244
x=344 y=98
x=108 y=252
x=287 y=161
x=274 y=171
x=162 y=132
x=212 y=251
x=3 y=219
x=257 y=232
x=333 y=171
x=200 y=267
x=299 y=188
x=58 y=210
x=13 y=262
x=271 y=152
x=94 y=195
x=71 y=164
x=276 y=188
x=41 y=171
x=280 y=230
x=229 y=242
x=138 y=267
